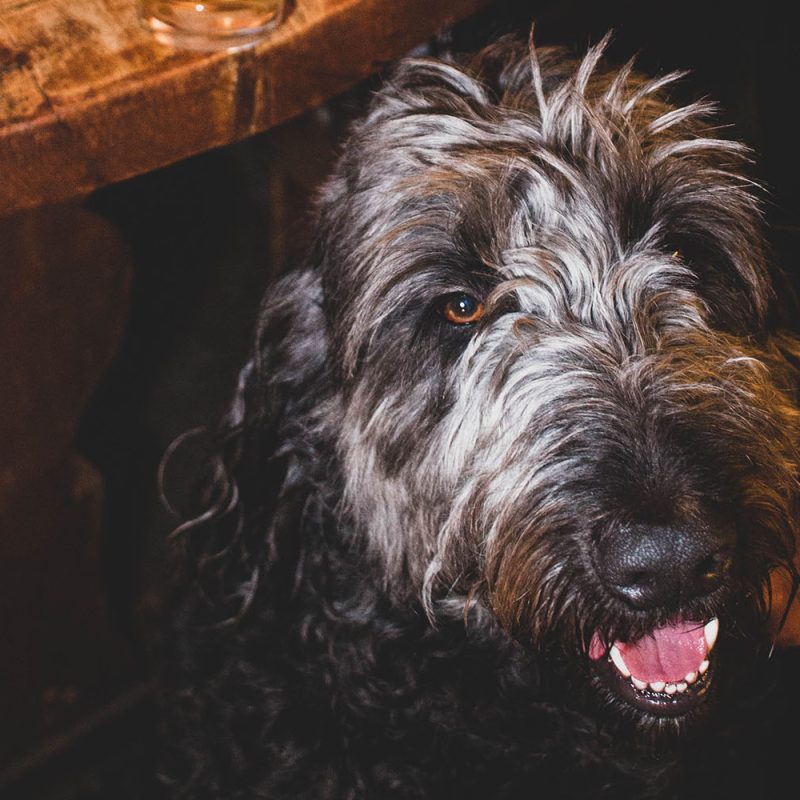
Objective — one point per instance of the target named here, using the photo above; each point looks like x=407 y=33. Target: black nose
x=648 y=565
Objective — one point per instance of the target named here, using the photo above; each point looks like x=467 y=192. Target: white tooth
x=681 y=686
x=657 y=686
x=691 y=677
x=640 y=685
x=711 y=630
x=671 y=688
x=703 y=667
x=616 y=657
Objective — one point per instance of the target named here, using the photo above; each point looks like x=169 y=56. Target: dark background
x=208 y=234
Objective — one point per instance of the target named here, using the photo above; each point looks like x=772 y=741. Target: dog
x=496 y=506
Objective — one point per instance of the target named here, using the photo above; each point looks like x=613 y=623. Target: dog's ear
x=281 y=381
x=257 y=489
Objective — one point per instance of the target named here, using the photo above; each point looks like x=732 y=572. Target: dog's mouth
x=666 y=673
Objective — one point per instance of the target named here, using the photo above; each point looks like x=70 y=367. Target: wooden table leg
x=64 y=290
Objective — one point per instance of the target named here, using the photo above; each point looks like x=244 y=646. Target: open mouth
x=666 y=672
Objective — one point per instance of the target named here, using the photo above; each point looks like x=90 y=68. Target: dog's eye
x=461 y=309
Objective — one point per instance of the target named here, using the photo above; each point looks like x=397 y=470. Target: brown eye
x=461 y=309
x=677 y=255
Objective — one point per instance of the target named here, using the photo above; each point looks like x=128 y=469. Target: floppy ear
x=258 y=493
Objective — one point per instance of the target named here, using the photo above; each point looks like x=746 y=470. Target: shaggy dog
x=499 y=495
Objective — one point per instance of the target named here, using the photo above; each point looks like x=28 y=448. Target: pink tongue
x=666 y=654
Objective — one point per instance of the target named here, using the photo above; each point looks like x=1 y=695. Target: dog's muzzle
x=663 y=569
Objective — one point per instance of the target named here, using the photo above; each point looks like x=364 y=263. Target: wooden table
x=87 y=99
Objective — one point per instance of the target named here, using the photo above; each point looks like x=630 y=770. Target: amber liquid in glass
x=212 y=24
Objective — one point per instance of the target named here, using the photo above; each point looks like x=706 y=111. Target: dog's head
x=540 y=297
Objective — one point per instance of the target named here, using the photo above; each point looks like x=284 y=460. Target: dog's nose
x=649 y=565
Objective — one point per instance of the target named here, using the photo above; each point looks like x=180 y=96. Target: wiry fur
x=391 y=586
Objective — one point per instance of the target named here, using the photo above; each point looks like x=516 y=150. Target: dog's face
x=559 y=398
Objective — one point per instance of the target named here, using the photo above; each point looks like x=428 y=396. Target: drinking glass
x=211 y=24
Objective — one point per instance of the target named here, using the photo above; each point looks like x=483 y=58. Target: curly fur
x=391 y=584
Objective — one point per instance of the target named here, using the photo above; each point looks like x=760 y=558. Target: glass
x=211 y=24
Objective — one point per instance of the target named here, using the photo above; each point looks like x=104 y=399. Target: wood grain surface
x=88 y=98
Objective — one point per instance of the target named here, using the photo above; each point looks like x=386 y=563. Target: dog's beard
x=640 y=720
x=661 y=670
